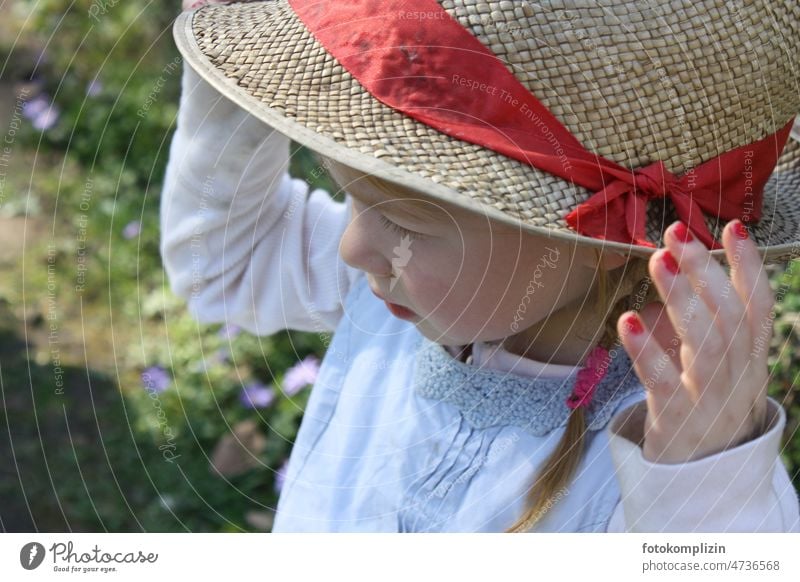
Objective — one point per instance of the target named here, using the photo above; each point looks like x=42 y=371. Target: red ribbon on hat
x=412 y=56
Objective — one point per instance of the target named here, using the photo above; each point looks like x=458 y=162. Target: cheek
x=537 y=289
x=457 y=291
x=523 y=285
x=432 y=279
x=439 y=283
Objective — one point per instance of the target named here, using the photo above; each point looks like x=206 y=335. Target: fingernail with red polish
x=740 y=230
x=682 y=233
x=633 y=324
x=670 y=263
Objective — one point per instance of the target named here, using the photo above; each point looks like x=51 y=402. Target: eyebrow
x=404 y=205
x=415 y=210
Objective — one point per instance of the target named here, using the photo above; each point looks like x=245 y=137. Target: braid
x=628 y=287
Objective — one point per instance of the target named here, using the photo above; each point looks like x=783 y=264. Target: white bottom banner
x=401 y=557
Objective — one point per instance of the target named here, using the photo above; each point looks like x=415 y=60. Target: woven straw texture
x=680 y=81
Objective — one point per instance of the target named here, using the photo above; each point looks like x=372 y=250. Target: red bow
x=589 y=377
x=436 y=71
x=725 y=186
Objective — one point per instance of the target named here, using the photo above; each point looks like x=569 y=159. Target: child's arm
x=240 y=240
x=702 y=451
x=743 y=489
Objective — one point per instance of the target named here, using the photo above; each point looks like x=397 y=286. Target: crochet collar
x=487 y=397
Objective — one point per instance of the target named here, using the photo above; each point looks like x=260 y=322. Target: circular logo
x=31 y=555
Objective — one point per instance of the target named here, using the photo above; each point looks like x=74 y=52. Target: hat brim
x=272 y=67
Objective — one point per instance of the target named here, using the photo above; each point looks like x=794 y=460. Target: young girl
x=498 y=363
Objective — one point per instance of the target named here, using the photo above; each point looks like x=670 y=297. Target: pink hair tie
x=589 y=377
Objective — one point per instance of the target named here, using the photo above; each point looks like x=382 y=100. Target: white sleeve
x=241 y=241
x=742 y=489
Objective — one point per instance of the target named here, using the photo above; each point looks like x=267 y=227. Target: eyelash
x=389 y=225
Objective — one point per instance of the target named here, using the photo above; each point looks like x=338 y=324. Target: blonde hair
x=623 y=289
x=626 y=288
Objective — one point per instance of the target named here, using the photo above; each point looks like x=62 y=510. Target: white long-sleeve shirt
x=244 y=243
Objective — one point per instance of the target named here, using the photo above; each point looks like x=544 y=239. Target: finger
x=656 y=319
x=713 y=285
x=752 y=285
x=688 y=315
x=653 y=364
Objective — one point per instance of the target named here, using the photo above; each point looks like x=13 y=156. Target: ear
x=610 y=260
x=607 y=260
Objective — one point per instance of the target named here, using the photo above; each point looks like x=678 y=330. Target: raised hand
x=702 y=360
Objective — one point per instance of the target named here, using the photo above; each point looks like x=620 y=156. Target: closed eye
x=389 y=225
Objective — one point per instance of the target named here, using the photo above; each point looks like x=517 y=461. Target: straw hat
x=683 y=82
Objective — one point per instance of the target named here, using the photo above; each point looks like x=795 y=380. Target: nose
x=360 y=246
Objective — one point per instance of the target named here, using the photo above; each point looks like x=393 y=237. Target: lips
x=400 y=312
x=395 y=309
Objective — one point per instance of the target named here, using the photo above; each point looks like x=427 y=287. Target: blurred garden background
x=120 y=412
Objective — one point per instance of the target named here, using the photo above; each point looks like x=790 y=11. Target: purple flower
x=41 y=112
x=300 y=375
x=280 y=476
x=256 y=395
x=156 y=378
x=47 y=119
x=229 y=331
x=132 y=229
x=33 y=108
x=94 y=88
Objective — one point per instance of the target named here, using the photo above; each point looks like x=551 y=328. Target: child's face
x=464 y=277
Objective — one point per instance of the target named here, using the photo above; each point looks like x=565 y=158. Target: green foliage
x=93 y=181
x=784 y=362
x=127 y=48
